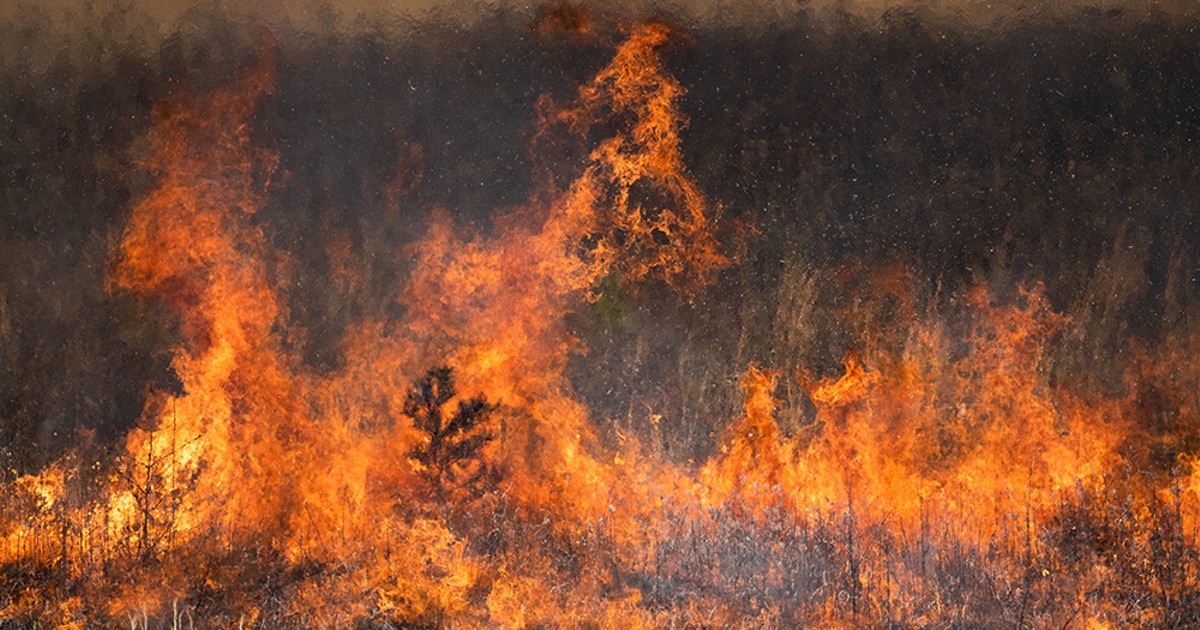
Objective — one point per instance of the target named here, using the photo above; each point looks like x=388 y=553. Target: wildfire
x=447 y=472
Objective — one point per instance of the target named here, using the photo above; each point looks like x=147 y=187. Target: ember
x=357 y=344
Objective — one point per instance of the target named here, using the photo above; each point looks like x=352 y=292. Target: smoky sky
x=1007 y=146
x=315 y=14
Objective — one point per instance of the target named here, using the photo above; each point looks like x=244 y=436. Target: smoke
x=960 y=142
x=315 y=15
x=771 y=306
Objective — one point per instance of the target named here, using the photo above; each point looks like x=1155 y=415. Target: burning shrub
x=449 y=457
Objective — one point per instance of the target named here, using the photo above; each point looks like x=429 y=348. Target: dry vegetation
x=404 y=354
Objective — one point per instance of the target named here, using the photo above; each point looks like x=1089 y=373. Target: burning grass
x=447 y=473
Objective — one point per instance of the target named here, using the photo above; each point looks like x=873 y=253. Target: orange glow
x=447 y=472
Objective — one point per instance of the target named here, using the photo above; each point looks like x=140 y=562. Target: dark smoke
x=1057 y=149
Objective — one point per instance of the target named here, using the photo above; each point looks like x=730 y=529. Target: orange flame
x=948 y=447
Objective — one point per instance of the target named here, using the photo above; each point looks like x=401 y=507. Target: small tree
x=450 y=456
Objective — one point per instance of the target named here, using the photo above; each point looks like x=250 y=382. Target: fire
x=447 y=473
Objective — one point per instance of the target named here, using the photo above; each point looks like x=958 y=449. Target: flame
x=448 y=474
x=982 y=434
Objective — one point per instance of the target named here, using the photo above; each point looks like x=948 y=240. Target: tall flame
x=447 y=473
